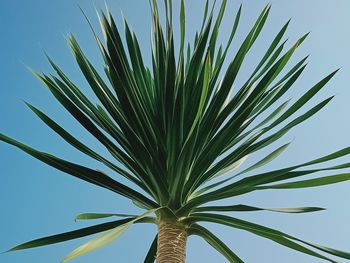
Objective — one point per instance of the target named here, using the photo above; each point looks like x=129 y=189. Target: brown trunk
x=171 y=243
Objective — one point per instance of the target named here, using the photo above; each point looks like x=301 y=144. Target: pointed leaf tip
x=98 y=242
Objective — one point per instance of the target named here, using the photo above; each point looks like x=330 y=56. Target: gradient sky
x=37 y=200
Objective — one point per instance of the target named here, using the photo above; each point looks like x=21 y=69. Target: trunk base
x=171 y=243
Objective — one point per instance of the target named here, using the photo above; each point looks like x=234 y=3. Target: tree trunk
x=171 y=243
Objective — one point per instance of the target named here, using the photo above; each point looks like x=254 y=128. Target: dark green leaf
x=71 y=235
x=215 y=242
x=81 y=172
x=247 y=208
x=88 y=216
x=326 y=180
x=152 y=252
x=275 y=235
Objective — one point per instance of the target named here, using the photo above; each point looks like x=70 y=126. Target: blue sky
x=37 y=200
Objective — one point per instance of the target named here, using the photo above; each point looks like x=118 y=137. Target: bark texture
x=171 y=243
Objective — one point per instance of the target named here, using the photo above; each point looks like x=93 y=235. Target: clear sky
x=37 y=200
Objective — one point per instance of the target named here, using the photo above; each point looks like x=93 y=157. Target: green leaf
x=272 y=47
x=82 y=172
x=152 y=252
x=326 y=180
x=203 y=96
x=71 y=235
x=218 y=144
x=104 y=239
x=246 y=183
x=81 y=147
x=231 y=167
x=215 y=242
x=304 y=99
x=87 y=216
x=98 y=242
x=282 y=174
x=182 y=24
x=247 y=208
x=212 y=41
x=272 y=234
x=269 y=158
x=115 y=151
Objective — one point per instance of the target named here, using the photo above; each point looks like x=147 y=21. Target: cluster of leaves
x=174 y=127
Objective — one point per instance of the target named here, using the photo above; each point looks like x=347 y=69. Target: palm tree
x=178 y=134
